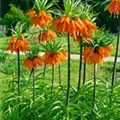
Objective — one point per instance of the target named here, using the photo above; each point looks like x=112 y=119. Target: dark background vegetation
x=103 y=18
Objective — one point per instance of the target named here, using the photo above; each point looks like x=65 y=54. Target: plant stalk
x=68 y=89
x=40 y=39
x=33 y=72
x=44 y=70
x=84 y=72
x=94 y=89
x=80 y=66
x=116 y=55
x=59 y=67
x=53 y=77
x=18 y=60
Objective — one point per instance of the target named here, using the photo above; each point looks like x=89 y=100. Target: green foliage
x=102 y=38
x=70 y=7
x=3 y=56
x=86 y=11
x=45 y=108
x=74 y=9
x=104 y=18
x=43 y=5
x=14 y=15
x=23 y=4
x=18 y=30
x=53 y=46
x=34 y=51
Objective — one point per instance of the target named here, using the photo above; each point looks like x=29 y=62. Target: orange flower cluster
x=54 y=58
x=90 y=27
x=16 y=45
x=86 y=31
x=33 y=63
x=48 y=35
x=114 y=7
x=96 y=55
x=61 y=24
x=31 y=13
x=42 y=19
x=75 y=28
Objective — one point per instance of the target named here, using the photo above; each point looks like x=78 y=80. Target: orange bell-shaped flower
x=34 y=62
x=42 y=19
x=31 y=13
x=16 y=44
x=48 y=35
x=96 y=55
x=54 y=58
x=114 y=7
x=61 y=24
x=81 y=28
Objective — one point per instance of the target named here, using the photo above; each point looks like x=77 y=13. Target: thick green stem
x=84 y=72
x=33 y=85
x=44 y=70
x=31 y=73
x=18 y=81
x=94 y=89
x=116 y=55
x=18 y=73
x=80 y=66
x=59 y=67
x=33 y=92
x=68 y=89
x=40 y=39
x=53 y=77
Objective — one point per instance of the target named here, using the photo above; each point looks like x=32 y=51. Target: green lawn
x=4 y=83
x=104 y=71
x=4 y=42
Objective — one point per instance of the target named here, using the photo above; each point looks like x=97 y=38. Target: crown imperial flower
x=16 y=44
x=34 y=62
x=114 y=7
x=96 y=55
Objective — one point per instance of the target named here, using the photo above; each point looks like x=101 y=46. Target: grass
x=3 y=42
x=4 y=81
x=104 y=71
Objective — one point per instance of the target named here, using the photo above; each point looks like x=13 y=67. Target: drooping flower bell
x=18 y=44
x=96 y=55
x=40 y=19
x=54 y=58
x=33 y=59
x=34 y=62
x=61 y=24
x=40 y=13
x=54 y=52
x=48 y=35
x=114 y=7
x=31 y=13
x=99 y=48
x=76 y=26
x=90 y=27
x=81 y=28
